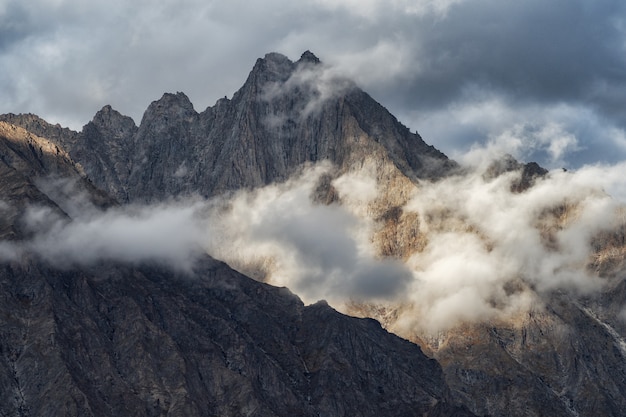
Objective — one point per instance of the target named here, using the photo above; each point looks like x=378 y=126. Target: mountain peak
x=179 y=99
x=108 y=116
x=176 y=106
x=272 y=67
x=309 y=57
x=276 y=67
x=276 y=57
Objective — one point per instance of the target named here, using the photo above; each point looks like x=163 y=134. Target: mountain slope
x=119 y=340
x=559 y=362
x=29 y=165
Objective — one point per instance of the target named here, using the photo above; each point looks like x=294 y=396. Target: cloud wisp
x=167 y=234
x=170 y=234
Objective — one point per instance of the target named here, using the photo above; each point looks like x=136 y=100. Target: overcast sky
x=544 y=80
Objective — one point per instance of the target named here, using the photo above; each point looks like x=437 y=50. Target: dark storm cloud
x=536 y=50
x=13 y=27
x=448 y=68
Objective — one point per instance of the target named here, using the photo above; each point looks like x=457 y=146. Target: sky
x=542 y=80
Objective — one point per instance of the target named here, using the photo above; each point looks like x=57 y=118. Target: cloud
x=167 y=234
x=489 y=253
x=371 y=10
x=171 y=234
x=562 y=135
x=278 y=234
x=550 y=142
x=492 y=254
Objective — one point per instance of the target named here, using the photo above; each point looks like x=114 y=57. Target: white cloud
x=525 y=140
x=171 y=234
x=555 y=136
x=318 y=251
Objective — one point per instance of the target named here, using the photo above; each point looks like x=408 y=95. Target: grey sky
x=545 y=80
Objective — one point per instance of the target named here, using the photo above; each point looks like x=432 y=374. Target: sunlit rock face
x=34 y=171
x=511 y=277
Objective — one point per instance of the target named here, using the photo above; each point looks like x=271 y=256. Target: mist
x=170 y=234
x=279 y=235
x=490 y=253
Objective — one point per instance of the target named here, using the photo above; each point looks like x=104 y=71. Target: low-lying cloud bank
x=170 y=234
x=490 y=253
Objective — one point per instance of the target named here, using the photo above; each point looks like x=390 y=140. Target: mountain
x=559 y=352
x=108 y=337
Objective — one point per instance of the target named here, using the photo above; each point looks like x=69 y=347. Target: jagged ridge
x=265 y=133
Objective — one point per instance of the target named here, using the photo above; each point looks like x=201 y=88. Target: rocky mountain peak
x=108 y=116
x=275 y=60
x=274 y=67
x=169 y=108
x=171 y=103
x=309 y=57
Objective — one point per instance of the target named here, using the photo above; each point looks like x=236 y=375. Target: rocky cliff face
x=116 y=340
x=29 y=165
